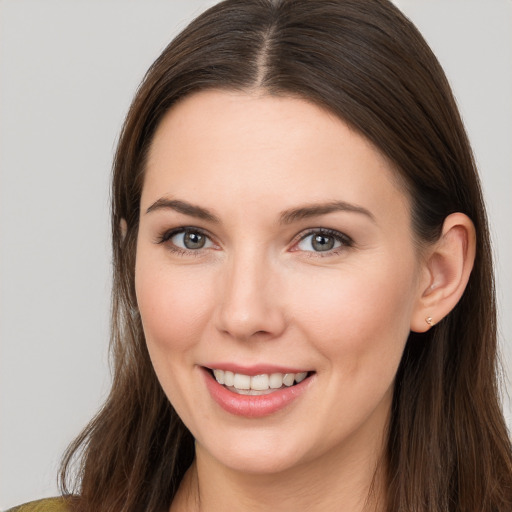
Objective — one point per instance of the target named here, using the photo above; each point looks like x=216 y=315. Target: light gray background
x=68 y=70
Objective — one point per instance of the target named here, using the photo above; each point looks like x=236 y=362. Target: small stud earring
x=429 y=320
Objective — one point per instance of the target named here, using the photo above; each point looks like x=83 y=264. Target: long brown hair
x=448 y=447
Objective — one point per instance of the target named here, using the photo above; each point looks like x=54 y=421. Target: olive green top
x=46 y=505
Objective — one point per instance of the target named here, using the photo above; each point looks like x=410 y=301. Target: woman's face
x=275 y=245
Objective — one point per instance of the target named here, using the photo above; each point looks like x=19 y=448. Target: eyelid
x=345 y=240
x=166 y=236
x=169 y=233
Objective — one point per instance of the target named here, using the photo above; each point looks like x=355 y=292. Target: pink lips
x=254 y=406
x=254 y=369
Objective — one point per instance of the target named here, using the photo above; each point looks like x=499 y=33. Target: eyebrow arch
x=307 y=211
x=183 y=207
x=286 y=217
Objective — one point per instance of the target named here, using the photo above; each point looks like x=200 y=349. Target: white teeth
x=276 y=380
x=229 y=378
x=263 y=382
x=289 y=379
x=242 y=381
x=219 y=376
x=299 y=377
x=259 y=382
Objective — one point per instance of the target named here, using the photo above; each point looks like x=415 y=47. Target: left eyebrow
x=314 y=210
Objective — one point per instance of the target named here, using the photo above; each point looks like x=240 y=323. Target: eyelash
x=345 y=241
x=167 y=235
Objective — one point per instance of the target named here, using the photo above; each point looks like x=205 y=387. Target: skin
x=258 y=293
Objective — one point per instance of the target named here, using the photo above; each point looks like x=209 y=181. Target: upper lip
x=257 y=369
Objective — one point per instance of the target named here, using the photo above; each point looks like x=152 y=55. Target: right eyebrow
x=183 y=207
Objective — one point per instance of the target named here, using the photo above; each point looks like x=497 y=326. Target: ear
x=123 y=226
x=446 y=270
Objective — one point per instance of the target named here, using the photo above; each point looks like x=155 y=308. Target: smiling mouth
x=262 y=384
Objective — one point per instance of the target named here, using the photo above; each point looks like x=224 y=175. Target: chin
x=263 y=455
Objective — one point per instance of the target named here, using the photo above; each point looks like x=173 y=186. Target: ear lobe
x=447 y=269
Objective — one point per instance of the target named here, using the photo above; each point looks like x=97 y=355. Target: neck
x=343 y=482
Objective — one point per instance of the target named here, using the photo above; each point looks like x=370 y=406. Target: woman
x=303 y=310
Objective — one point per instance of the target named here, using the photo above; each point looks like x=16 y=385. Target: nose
x=250 y=305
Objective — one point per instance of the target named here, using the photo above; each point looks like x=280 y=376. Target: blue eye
x=323 y=241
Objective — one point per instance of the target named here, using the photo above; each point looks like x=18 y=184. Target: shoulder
x=46 y=505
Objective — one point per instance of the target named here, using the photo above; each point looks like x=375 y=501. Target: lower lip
x=254 y=406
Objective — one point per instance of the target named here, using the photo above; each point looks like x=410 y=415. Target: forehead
x=218 y=146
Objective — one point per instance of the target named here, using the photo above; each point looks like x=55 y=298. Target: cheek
x=360 y=315
x=173 y=305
